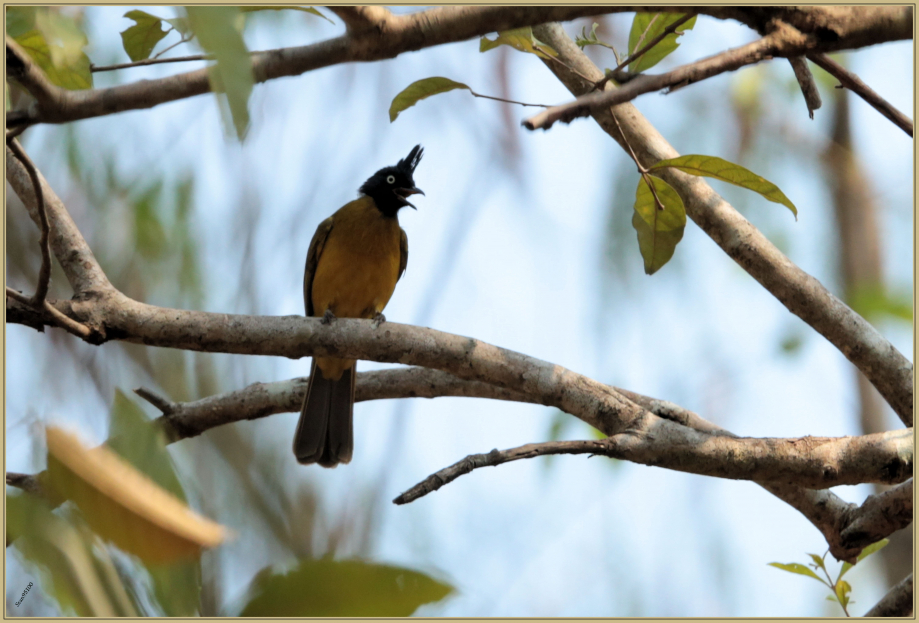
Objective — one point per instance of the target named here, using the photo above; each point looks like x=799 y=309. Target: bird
x=354 y=261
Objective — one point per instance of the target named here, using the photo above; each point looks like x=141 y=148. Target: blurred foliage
x=55 y=41
x=342 y=588
x=218 y=30
x=122 y=505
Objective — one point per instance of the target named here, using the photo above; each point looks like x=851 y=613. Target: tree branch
x=361 y=18
x=44 y=273
x=814 y=462
x=55 y=318
x=898 y=602
x=807 y=83
x=887 y=369
x=827 y=28
x=769 y=46
x=881 y=515
x=855 y=84
x=67 y=243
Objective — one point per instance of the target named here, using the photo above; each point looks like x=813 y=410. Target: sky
x=515 y=251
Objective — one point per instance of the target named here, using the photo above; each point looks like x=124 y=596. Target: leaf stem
x=501 y=99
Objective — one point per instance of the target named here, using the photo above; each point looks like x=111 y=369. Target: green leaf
x=419 y=90
x=215 y=28
x=520 y=39
x=180 y=24
x=873 y=548
x=720 y=169
x=647 y=26
x=818 y=560
x=65 y=38
x=352 y=588
x=20 y=20
x=794 y=567
x=305 y=9
x=73 y=75
x=140 y=39
x=659 y=231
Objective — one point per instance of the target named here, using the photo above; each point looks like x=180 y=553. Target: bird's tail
x=325 y=434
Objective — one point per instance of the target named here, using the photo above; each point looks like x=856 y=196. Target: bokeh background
x=524 y=240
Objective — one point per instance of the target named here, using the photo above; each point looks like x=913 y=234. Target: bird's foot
x=378 y=319
x=327 y=317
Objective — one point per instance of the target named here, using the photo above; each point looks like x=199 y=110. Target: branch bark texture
x=375 y=34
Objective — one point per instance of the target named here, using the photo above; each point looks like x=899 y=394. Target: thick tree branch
x=360 y=18
x=828 y=28
x=881 y=515
x=887 y=369
x=855 y=84
x=898 y=602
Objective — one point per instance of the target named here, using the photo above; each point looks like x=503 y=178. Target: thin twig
x=494 y=458
x=807 y=83
x=60 y=320
x=501 y=99
x=44 y=273
x=667 y=31
x=26 y=482
x=181 y=40
x=17 y=130
x=855 y=84
x=153 y=61
x=165 y=405
x=729 y=60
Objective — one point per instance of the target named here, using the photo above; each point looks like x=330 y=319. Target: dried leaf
x=124 y=506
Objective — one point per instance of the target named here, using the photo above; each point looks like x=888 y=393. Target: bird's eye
x=390 y=179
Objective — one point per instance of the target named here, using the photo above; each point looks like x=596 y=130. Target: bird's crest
x=410 y=162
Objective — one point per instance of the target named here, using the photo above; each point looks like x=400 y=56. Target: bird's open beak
x=405 y=192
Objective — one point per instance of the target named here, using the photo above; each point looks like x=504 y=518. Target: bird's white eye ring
x=390 y=179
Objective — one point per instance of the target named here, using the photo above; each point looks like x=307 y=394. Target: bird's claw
x=378 y=319
x=327 y=317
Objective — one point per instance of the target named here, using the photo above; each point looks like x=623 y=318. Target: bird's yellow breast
x=359 y=266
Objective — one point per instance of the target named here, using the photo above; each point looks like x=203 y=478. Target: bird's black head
x=390 y=186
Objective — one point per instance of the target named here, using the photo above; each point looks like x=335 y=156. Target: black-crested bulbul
x=354 y=261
